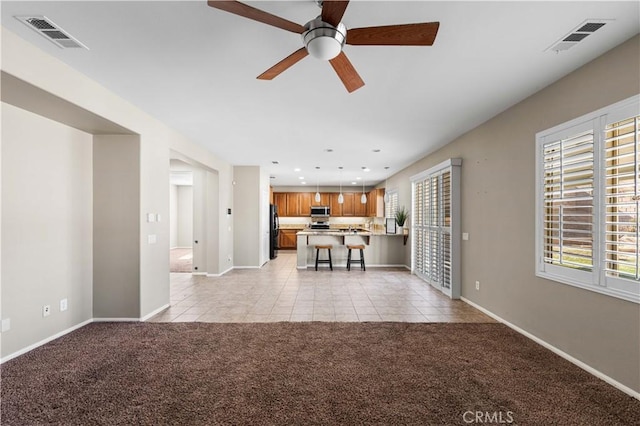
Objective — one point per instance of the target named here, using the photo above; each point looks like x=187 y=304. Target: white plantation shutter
x=435 y=226
x=622 y=194
x=588 y=228
x=568 y=201
x=392 y=205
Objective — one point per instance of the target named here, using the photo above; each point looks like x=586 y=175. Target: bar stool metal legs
x=318 y=260
x=361 y=260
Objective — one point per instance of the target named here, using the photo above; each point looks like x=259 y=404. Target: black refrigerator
x=274 y=231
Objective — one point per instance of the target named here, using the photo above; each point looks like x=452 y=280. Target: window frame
x=597 y=280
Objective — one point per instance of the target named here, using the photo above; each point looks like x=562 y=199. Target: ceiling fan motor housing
x=323 y=40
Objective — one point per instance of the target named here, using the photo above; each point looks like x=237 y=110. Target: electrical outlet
x=63 y=305
x=46 y=310
x=477 y=285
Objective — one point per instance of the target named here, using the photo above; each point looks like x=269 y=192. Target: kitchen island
x=380 y=249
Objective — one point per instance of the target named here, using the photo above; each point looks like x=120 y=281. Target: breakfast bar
x=380 y=249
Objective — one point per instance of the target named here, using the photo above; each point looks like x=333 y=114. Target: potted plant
x=401 y=217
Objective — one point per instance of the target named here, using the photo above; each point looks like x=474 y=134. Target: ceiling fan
x=325 y=36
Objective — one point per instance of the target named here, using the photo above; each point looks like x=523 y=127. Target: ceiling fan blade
x=283 y=65
x=242 y=9
x=332 y=11
x=346 y=72
x=395 y=35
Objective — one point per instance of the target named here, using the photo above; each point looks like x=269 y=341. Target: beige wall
x=246 y=211
x=47 y=226
x=498 y=211
x=116 y=226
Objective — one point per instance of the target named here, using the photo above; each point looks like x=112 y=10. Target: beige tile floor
x=280 y=292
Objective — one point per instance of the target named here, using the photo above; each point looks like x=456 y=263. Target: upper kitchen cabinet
x=375 y=203
x=304 y=203
x=280 y=200
x=359 y=208
x=336 y=208
x=348 y=207
x=324 y=199
x=293 y=208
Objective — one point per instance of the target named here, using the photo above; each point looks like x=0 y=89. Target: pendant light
x=317 y=191
x=340 y=196
x=363 y=199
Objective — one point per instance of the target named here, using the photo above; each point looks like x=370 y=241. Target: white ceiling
x=195 y=68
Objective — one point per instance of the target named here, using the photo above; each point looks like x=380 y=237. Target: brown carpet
x=303 y=373
x=181 y=260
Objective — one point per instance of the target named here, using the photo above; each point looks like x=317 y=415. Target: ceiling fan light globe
x=324 y=48
x=322 y=40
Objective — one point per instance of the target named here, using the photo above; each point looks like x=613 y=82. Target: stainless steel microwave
x=320 y=210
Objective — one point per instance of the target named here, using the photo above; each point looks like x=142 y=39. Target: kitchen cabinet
x=324 y=199
x=292 y=204
x=298 y=204
x=336 y=208
x=304 y=203
x=288 y=239
x=375 y=203
x=280 y=200
x=348 y=207
x=359 y=209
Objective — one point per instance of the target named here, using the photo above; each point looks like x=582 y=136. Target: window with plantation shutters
x=391 y=207
x=588 y=174
x=435 y=226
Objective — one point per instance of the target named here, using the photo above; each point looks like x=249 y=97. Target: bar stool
x=361 y=260
x=328 y=247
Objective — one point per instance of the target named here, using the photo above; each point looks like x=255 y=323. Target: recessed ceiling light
x=358 y=178
x=297 y=169
x=366 y=169
x=353 y=183
x=301 y=177
x=304 y=183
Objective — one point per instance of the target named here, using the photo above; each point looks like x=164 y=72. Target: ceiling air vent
x=578 y=34
x=45 y=27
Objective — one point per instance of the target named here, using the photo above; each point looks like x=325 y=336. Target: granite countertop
x=345 y=232
x=333 y=232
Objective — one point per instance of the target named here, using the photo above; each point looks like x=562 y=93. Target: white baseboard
x=557 y=351
x=116 y=319
x=220 y=274
x=198 y=273
x=47 y=340
x=246 y=267
x=155 y=312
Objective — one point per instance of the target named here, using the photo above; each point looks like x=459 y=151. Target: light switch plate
x=465 y=236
